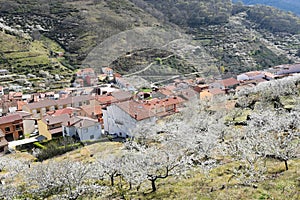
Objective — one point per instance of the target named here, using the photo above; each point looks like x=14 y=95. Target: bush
x=57 y=147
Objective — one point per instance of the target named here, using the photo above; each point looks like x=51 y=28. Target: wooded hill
x=288 y=5
x=238 y=37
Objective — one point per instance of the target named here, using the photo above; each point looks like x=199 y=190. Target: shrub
x=57 y=147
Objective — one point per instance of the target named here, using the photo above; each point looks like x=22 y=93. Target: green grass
x=23 y=56
x=288 y=102
x=215 y=185
x=238 y=116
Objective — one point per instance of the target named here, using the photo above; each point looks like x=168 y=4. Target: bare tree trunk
x=153 y=185
x=130 y=186
x=112 y=180
x=286 y=165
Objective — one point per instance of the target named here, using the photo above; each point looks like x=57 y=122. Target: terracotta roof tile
x=135 y=109
x=10 y=118
x=188 y=93
x=51 y=120
x=75 y=99
x=85 y=122
x=158 y=103
x=41 y=104
x=229 y=82
x=23 y=114
x=104 y=99
x=122 y=95
x=68 y=110
x=166 y=91
x=81 y=122
x=92 y=109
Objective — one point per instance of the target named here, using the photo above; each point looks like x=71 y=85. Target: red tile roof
x=81 y=122
x=104 y=99
x=135 y=109
x=75 y=99
x=122 y=95
x=51 y=120
x=92 y=109
x=157 y=103
x=229 y=82
x=68 y=111
x=165 y=91
x=23 y=114
x=188 y=93
x=41 y=104
x=10 y=118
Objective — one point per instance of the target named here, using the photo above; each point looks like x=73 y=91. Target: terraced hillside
x=206 y=35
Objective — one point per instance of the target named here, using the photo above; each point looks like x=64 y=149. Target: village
x=107 y=104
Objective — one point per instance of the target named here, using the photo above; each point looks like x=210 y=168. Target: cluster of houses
x=85 y=113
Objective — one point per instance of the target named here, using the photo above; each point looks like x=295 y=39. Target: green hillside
x=287 y=5
x=205 y=34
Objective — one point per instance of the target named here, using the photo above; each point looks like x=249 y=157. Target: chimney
x=69 y=123
x=135 y=116
x=47 y=120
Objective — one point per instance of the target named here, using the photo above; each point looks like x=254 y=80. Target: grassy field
x=219 y=184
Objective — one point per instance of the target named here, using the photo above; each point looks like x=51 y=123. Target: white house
x=123 y=84
x=82 y=128
x=121 y=118
x=253 y=75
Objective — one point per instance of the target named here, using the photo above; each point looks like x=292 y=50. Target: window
x=18 y=127
x=7 y=129
x=91 y=137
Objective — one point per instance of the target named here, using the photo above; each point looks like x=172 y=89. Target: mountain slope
x=205 y=35
x=76 y=25
x=288 y=5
